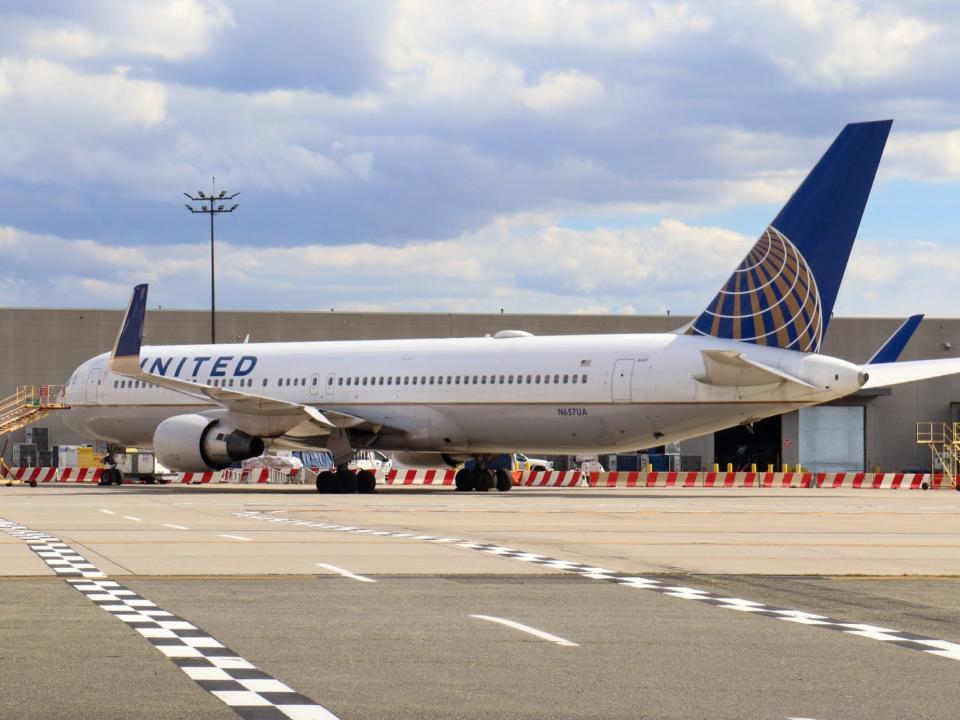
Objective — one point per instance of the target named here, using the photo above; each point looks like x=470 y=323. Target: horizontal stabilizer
x=897 y=373
x=890 y=351
x=730 y=368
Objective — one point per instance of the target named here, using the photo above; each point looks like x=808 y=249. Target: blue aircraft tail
x=783 y=292
x=890 y=350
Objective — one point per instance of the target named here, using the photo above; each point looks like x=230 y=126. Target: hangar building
x=872 y=429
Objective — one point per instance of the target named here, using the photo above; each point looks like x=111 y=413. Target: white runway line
x=527 y=629
x=932 y=646
x=176 y=527
x=345 y=573
x=131 y=517
x=236 y=537
x=232 y=679
x=108 y=512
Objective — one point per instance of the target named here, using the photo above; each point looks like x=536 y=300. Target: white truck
x=137 y=465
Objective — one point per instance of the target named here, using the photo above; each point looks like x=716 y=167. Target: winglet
x=125 y=358
x=891 y=349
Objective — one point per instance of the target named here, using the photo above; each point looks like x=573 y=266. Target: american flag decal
x=584 y=363
x=771 y=299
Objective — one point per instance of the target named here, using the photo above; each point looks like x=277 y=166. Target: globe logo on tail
x=771 y=299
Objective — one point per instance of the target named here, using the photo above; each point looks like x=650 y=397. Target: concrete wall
x=43 y=346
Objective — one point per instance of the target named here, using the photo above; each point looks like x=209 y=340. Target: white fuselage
x=559 y=394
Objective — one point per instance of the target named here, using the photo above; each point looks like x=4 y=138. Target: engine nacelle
x=426 y=460
x=194 y=443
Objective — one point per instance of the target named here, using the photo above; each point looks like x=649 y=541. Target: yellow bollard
x=786 y=468
x=799 y=468
x=716 y=467
x=753 y=467
x=770 y=467
x=729 y=467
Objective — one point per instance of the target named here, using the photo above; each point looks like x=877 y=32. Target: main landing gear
x=482 y=479
x=346 y=481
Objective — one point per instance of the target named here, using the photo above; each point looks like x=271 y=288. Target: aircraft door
x=315 y=384
x=93 y=384
x=331 y=381
x=622 y=374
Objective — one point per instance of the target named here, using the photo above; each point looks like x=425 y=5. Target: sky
x=573 y=156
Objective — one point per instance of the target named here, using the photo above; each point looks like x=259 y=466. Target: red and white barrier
x=420 y=477
x=550 y=478
x=80 y=475
x=875 y=481
x=192 y=478
x=34 y=474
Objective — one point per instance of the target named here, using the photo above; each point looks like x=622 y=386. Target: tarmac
x=574 y=603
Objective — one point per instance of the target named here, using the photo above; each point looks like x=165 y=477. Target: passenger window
x=380 y=381
x=390 y=381
x=474 y=379
x=546 y=379
x=439 y=379
x=529 y=379
x=348 y=380
x=364 y=381
x=431 y=379
x=501 y=379
x=406 y=380
x=574 y=379
x=456 y=380
x=398 y=380
x=449 y=379
x=583 y=378
x=356 y=381
x=483 y=379
x=566 y=379
x=231 y=382
x=279 y=382
x=115 y=383
x=339 y=381
x=264 y=382
x=288 y=382
x=423 y=379
x=556 y=378
x=414 y=379
x=303 y=381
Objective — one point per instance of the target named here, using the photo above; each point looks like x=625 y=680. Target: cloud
x=163 y=29
x=834 y=43
x=522 y=263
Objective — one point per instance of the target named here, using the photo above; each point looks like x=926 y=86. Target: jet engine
x=428 y=459
x=195 y=443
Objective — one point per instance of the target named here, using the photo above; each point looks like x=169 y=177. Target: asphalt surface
x=408 y=646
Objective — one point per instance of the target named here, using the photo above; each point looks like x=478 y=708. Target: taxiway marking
x=235 y=537
x=108 y=512
x=235 y=681
x=176 y=527
x=527 y=629
x=131 y=517
x=346 y=573
x=933 y=646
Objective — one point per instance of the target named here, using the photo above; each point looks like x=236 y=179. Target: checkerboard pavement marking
x=249 y=692
x=932 y=646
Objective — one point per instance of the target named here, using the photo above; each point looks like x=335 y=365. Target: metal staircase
x=943 y=439
x=29 y=404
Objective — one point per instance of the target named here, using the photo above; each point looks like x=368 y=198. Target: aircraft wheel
x=504 y=480
x=346 y=481
x=463 y=480
x=483 y=480
x=326 y=482
x=366 y=482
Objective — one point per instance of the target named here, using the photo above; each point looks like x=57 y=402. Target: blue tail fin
x=783 y=292
x=890 y=350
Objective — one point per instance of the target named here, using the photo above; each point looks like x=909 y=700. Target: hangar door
x=831 y=438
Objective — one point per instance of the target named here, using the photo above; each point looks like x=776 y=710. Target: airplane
x=752 y=353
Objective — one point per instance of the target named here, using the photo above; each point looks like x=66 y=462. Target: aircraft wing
x=125 y=360
x=897 y=373
x=894 y=345
x=731 y=368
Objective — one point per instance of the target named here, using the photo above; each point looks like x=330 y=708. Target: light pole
x=212 y=207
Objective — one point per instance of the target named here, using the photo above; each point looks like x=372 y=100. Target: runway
x=535 y=604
